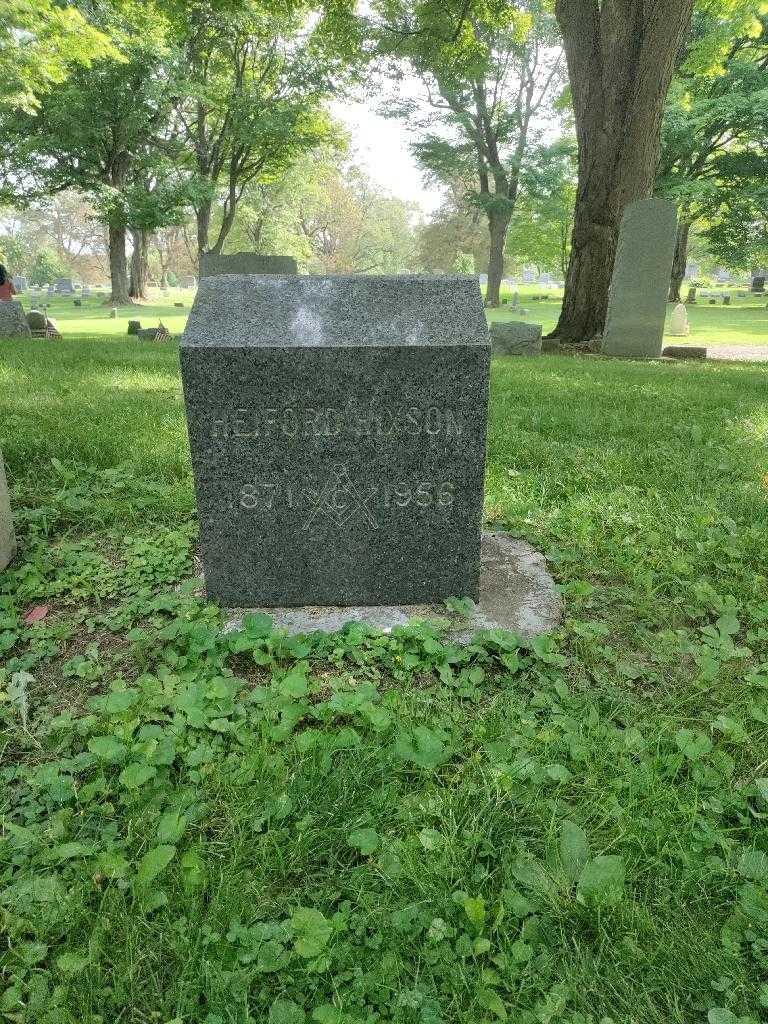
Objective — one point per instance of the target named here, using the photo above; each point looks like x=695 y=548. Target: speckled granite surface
x=7 y=536
x=13 y=322
x=338 y=438
x=294 y=310
x=212 y=265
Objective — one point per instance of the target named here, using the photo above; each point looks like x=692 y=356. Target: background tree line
x=183 y=127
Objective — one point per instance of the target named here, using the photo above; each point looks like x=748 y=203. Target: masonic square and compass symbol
x=340 y=500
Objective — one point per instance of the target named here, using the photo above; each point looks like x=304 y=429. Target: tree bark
x=118 y=266
x=139 y=264
x=680 y=261
x=497 y=229
x=621 y=56
x=203 y=216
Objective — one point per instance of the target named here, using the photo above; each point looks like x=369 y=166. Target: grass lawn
x=745 y=322
x=367 y=828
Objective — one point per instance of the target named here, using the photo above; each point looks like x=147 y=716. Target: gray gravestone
x=13 y=322
x=7 y=536
x=21 y=283
x=212 y=265
x=64 y=286
x=337 y=428
x=637 y=302
x=515 y=338
x=189 y=281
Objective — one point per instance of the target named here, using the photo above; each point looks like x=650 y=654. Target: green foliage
x=46 y=268
x=714 y=160
x=40 y=41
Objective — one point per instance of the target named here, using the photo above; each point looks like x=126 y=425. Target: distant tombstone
x=51 y=291
x=726 y=299
x=64 y=286
x=212 y=265
x=691 y=297
x=515 y=339
x=189 y=281
x=13 y=322
x=113 y=314
x=678 y=324
x=758 y=285
x=637 y=302
x=337 y=428
x=722 y=275
x=134 y=326
x=7 y=535
x=86 y=291
x=515 y=300
x=20 y=283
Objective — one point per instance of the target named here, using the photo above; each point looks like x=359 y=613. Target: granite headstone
x=21 y=283
x=7 y=536
x=515 y=338
x=64 y=286
x=13 y=322
x=337 y=428
x=212 y=265
x=637 y=300
x=678 y=323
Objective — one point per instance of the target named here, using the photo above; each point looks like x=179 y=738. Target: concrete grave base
x=517 y=593
x=684 y=352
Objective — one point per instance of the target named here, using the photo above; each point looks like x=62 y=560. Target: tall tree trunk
x=621 y=56
x=139 y=263
x=118 y=266
x=498 y=226
x=680 y=261
x=203 y=216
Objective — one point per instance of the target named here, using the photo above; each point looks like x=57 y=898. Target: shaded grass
x=645 y=484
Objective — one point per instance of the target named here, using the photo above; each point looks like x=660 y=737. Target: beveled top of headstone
x=213 y=265
x=294 y=311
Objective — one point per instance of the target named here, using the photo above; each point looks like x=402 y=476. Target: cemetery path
x=742 y=353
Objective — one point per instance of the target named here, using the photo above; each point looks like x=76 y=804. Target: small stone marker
x=20 y=283
x=212 y=265
x=189 y=281
x=64 y=286
x=134 y=326
x=515 y=300
x=7 y=536
x=13 y=322
x=337 y=428
x=691 y=298
x=113 y=314
x=684 y=352
x=726 y=300
x=515 y=338
x=758 y=285
x=678 y=324
x=637 y=302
